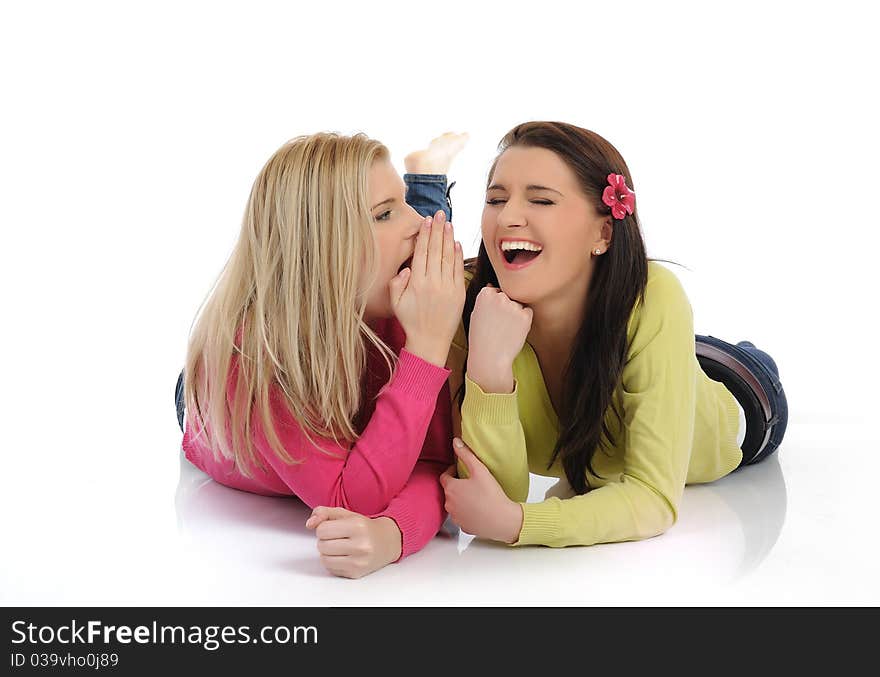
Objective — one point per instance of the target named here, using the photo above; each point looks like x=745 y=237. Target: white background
x=129 y=138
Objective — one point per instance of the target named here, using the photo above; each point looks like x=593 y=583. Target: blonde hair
x=290 y=301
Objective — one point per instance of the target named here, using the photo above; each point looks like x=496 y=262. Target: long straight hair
x=283 y=325
x=595 y=366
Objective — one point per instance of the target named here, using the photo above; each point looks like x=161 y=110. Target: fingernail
x=427 y=223
x=448 y=226
x=457 y=443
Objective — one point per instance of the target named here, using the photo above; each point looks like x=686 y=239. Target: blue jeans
x=178 y=400
x=426 y=193
x=752 y=376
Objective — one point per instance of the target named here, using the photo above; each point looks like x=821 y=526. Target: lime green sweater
x=679 y=427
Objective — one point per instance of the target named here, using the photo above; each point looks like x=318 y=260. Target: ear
x=607 y=230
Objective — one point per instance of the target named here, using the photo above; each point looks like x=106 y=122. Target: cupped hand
x=428 y=297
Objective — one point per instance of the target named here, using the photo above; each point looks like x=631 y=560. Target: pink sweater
x=392 y=470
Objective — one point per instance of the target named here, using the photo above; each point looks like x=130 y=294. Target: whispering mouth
x=405 y=264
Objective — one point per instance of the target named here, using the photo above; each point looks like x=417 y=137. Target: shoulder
x=664 y=306
x=664 y=284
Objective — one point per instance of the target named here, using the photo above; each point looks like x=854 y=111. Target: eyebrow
x=531 y=186
x=384 y=202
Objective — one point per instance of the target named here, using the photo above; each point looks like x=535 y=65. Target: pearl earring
x=598 y=251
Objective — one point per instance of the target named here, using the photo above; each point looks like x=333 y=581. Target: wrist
x=497 y=379
x=513 y=523
x=435 y=354
x=390 y=537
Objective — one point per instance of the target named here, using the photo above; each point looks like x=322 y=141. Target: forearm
x=367 y=477
x=628 y=510
x=417 y=510
x=490 y=426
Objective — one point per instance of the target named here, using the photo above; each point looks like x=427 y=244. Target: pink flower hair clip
x=618 y=196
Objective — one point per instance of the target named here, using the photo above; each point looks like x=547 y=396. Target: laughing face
x=539 y=228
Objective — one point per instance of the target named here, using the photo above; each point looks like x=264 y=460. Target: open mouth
x=520 y=253
x=405 y=264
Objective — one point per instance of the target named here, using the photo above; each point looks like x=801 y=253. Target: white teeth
x=508 y=245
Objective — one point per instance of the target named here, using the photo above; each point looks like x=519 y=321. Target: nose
x=511 y=216
x=416 y=220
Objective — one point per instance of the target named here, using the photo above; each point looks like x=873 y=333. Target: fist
x=498 y=329
x=351 y=545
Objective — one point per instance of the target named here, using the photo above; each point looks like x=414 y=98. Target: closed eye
x=498 y=201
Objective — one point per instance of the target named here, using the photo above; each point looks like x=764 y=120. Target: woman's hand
x=352 y=545
x=478 y=504
x=498 y=329
x=428 y=298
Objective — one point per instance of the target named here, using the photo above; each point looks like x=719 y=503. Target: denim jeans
x=427 y=193
x=178 y=400
x=764 y=429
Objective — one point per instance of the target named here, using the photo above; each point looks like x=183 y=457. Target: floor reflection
x=725 y=530
x=757 y=496
x=236 y=524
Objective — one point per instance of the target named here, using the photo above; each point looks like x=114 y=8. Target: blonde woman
x=320 y=353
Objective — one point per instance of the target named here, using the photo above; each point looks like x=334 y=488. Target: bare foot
x=436 y=158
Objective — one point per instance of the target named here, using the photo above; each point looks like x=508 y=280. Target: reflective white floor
x=791 y=530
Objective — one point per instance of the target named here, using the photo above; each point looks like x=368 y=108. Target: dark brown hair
x=620 y=276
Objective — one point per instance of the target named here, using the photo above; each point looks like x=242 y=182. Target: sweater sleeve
x=418 y=508
x=366 y=477
x=658 y=397
x=490 y=426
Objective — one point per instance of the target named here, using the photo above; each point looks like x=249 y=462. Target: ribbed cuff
x=417 y=378
x=540 y=522
x=731 y=454
x=489 y=408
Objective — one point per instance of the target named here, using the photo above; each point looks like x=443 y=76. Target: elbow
x=665 y=523
x=656 y=524
x=655 y=512
x=663 y=518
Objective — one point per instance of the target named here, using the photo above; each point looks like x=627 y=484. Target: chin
x=374 y=311
x=519 y=291
x=372 y=315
